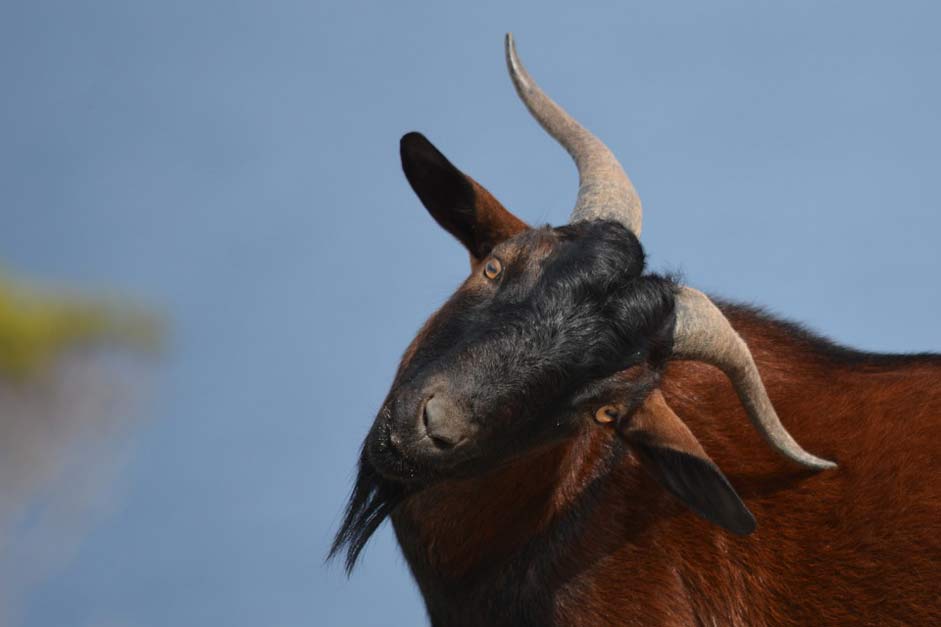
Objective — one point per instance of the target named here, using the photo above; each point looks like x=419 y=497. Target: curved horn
x=703 y=333
x=604 y=191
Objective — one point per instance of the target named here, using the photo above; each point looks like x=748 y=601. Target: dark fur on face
x=570 y=308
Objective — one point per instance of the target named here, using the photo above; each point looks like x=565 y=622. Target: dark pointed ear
x=670 y=452
x=456 y=201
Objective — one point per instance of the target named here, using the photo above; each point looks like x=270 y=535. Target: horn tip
x=510 y=46
x=824 y=464
x=517 y=73
x=809 y=460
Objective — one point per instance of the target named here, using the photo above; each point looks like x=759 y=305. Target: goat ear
x=456 y=201
x=670 y=452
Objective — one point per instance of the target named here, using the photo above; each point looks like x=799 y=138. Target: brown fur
x=492 y=216
x=859 y=545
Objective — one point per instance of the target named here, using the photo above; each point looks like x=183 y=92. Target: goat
x=542 y=452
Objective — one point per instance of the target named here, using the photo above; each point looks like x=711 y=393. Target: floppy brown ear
x=456 y=201
x=670 y=452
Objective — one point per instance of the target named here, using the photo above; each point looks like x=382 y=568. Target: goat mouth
x=388 y=453
x=389 y=461
x=411 y=458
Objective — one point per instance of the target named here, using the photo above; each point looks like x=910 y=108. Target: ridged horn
x=703 y=333
x=604 y=191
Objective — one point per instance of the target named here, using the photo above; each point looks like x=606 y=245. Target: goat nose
x=444 y=422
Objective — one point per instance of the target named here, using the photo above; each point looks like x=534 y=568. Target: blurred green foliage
x=37 y=326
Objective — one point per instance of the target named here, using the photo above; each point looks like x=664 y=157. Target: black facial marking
x=508 y=358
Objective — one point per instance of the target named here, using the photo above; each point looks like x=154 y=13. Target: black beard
x=372 y=500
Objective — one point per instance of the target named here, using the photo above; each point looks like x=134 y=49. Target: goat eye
x=493 y=269
x=606 y=414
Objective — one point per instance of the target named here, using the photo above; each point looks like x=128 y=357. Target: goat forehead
x=530 y=247
x=536 y=250
x=540 y=257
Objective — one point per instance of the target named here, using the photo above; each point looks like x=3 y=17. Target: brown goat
x=856 y=546
x=550 y=450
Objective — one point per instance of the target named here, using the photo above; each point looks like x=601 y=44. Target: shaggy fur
x=552 y=518
x=578 y=534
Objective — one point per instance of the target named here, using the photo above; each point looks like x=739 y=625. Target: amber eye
x=606 y=414
x=493 y=269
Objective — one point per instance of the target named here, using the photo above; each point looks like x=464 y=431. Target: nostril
x=442 y=422
x=424 y=413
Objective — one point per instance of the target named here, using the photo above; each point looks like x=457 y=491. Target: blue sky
x=235 y=165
